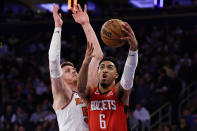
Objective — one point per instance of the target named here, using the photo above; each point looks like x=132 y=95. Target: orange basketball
x=111 y=33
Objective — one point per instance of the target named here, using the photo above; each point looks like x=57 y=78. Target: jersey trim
x=67 y=103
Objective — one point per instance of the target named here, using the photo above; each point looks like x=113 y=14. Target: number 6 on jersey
x=102 y=121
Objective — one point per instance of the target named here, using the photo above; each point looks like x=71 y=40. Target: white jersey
x=74 y=116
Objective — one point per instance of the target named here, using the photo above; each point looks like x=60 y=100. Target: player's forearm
x=92 y=38
x=92 y=72
x=83 y=79
x=129 y=70
x=54 y=54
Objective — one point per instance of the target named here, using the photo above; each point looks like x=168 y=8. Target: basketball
x=111 y=33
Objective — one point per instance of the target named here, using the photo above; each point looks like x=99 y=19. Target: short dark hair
x=67 y=63
x=113 y=60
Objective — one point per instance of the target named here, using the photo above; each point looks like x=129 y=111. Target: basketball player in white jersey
x=70 y=109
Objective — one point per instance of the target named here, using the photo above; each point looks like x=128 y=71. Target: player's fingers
x=73 y=10
x=85 y=8
x=74 y=16
x=54 y=8
x=129 y=28
x=126 y=27
x=126 y=32
x=76 y=8
x=79 y=7
x=124 y=38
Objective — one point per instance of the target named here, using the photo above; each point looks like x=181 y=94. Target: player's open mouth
x=104 y=76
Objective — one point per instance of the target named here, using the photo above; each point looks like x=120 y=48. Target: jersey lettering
x=103 y=105
x=85 y=114
x=78 y=101
x=102 y=121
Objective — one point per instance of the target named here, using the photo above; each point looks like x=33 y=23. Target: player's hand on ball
x=57 y=16
x=130 y=36
x=79 y=15
x=89 y=53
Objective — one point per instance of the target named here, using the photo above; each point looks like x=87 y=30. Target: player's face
x=107 y=73
x=69 y=74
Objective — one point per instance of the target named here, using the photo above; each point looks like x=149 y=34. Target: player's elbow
x=127 y=84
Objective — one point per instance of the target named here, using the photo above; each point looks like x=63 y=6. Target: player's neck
x=73 y=86
x=106 y=89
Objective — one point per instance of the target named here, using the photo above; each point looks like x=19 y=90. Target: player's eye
x=68 y=70
x=102 y=67
x=110 y=67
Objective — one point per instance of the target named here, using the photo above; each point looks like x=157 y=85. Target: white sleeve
x=129 y=70
x=54 y=54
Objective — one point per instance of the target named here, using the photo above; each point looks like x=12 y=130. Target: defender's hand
x=130 y=36
x=57 y=16
x=79 y=15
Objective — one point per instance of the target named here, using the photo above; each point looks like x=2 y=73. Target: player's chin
x=75 y=79
x=104 y=83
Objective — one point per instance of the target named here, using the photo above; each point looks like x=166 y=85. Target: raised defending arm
x=82 y=18
x=58 y=90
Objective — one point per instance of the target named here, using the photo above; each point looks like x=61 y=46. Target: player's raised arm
x=126 y=82
x=82 y=18
x=82 y=81
x=58 y=85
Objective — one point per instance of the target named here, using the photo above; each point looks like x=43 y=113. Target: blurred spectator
x=183 y=126
x=133 y=123
x=188 y=116
x=21 y=128
x=194 y=127
x=9 y=115
x=21 y=116
x=38 y=116
x=142 y=91
x=53 y=126
x=162 y=85
x=174 y=89
x=142 y=114
x=166 y=127
x=50 y=115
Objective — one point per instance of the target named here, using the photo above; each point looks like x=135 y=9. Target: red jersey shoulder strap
x=94 y=89
x=114 y=91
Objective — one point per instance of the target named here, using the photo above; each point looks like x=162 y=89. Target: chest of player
x=107 y=101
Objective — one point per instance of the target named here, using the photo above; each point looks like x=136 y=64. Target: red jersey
x=106 y=112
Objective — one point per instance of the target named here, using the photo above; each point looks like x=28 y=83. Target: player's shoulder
x=93 y=89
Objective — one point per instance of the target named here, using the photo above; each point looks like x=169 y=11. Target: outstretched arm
x=58 y=90
x=82 y=18
x=82 y=86
x=126 y=82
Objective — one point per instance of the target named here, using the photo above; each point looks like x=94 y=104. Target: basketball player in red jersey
x=69 y=108
x=107 y=100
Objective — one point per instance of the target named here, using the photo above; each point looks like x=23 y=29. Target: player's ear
x=116 y=76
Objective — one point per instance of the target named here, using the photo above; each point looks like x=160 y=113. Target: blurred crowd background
x=166 y=72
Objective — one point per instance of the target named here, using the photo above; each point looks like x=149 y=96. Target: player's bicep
x=59 y=88
x=123 y=94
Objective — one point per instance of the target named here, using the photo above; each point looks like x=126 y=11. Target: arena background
x=166 y=77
